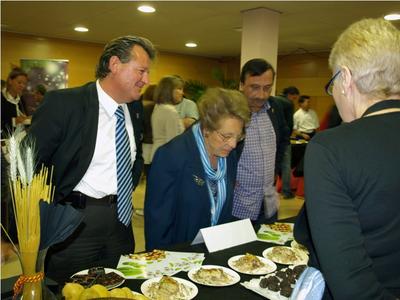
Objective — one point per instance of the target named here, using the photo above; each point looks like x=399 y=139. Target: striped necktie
x=124 y=171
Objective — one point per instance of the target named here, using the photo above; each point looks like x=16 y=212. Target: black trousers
x=98 y=241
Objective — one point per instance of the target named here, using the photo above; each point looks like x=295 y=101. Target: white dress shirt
x=305 y=121
x=100 y=178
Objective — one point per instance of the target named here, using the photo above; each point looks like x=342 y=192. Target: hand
x=7 y=251
x=187 y=122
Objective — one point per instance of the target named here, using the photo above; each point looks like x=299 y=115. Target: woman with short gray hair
x=191 y=181
x=352 y=178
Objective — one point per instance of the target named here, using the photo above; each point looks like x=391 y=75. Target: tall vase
x=33 y=268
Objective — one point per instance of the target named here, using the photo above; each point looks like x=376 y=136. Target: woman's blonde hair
x=218 y=103
x=164 y=91
x=370 y=48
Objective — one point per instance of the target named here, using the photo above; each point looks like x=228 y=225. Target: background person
x=305 y=120
x=191 y=181
x=186 y=108
x=267 y=136
x=32 y=101
x=11 y=105
x=165 y=121
x=148 y=107
x=289 y=95
x=351 y=222
x=92 y=135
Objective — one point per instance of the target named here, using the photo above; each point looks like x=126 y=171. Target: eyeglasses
x=228 y=138
x=329 y=85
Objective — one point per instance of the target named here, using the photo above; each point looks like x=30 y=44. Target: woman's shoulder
x=165 y=110
x=166 y=107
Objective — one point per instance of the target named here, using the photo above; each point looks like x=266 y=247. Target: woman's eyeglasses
x=329 y=85
x=228 y=138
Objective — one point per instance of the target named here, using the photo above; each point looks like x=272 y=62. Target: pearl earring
x=342 y=92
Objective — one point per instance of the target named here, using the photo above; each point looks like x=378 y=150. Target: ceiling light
x=146 y=9
x=81 y=29
x=392 y=17
x=191 y=45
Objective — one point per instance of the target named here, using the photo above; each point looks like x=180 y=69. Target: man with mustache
x=261 y=153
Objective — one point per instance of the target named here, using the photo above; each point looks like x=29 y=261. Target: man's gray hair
x=121 y=47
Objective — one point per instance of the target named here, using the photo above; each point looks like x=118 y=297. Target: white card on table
x=226 y=235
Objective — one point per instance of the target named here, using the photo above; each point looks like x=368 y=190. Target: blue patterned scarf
x=218 y=176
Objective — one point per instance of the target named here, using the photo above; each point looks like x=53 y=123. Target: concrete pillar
x=260 y=33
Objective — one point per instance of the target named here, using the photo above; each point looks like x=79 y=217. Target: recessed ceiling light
x=392 y=17
x=146 y=9
x=81 y=29
x=191 y=45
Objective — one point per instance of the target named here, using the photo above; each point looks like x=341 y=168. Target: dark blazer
x=65 y=129
x=287 y=107
x=177 y=203
x=8 y=111
x=281 y=129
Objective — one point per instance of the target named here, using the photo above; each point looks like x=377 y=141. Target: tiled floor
x=288 y=208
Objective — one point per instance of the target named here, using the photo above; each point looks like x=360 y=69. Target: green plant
x=226 y=83
x=194 y=89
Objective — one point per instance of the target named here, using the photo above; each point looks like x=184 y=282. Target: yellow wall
x=83 y=58
x=309 y=72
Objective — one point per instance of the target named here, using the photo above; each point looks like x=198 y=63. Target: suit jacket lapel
x=90 y=114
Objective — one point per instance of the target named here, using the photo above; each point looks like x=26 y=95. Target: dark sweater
x=352 y=220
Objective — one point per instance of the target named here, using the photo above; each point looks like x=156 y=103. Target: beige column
x=260 y=33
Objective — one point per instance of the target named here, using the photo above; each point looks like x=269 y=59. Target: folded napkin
x=310 y=285
x=171 y=264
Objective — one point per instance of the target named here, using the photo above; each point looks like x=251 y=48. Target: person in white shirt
x=165 y=121
x=305 y=120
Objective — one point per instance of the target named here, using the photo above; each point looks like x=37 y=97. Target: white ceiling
x=304 y=25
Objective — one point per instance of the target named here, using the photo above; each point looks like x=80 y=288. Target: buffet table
x=220 y=258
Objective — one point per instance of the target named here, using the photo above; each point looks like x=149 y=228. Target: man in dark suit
x=79 y=131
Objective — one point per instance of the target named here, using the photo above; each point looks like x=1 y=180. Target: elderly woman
x=352 y=177
x=165 y=121
x=11 y=106
x=192 y=178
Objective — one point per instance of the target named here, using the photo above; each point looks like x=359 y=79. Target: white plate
x=298 y=247
x=190 y=289
x=269 y=267
x=302 y=257
x=291 y=225
x=235 y=276
x=107 y=270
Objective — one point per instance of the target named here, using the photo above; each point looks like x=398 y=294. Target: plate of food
x=277 y=285
x=295 y=245
x=281 y=227
x=251 y=264
x=152 y=255
x=211 y=275
x=110 y=278
x=169 y=288
x=286 y=255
